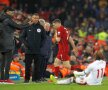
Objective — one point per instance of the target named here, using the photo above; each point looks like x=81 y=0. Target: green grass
x=50 y=86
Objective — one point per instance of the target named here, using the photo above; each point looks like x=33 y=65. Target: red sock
x=56 y=72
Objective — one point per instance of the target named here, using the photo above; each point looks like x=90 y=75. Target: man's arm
x=57 y=36
x=43 y=37
x=73 y=45
x=85 y=72
x=13 y=24
x=23 y=37
x=72 y=42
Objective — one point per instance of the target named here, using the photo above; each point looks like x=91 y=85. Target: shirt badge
x=38 y=30
x=58 y=33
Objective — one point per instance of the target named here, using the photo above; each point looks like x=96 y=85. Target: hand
x=30 y=22
x=17 y=41
x=75 y=73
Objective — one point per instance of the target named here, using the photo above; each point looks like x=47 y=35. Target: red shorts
x=63 y=56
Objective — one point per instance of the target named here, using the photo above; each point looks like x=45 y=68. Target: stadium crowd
x=86 y=22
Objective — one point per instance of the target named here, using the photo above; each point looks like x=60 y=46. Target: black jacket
x=3 y=16
x=33 y=38
x=46 y=48
x=8 y=28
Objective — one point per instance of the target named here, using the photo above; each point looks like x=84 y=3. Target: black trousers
x=44 y=62
x=29 y=59
x=6 y=59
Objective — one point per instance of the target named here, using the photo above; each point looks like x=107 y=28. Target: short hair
x=36 y=14
x=42 y=22
x=7 y=8
x=57 y=21
x=98 y=55
x=16 y=55
x=47 y=23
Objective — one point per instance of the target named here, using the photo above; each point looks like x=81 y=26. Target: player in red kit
x=63 y=38
x=63 y=44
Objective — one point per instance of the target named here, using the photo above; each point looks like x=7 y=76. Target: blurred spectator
x=102 y=37
x=16 y=66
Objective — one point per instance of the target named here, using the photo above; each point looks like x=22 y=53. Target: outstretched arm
x=73 y=45
x=13 y=24
x=85 y=72
x=72 y=42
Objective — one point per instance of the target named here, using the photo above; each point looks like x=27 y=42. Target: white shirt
x=95 y=72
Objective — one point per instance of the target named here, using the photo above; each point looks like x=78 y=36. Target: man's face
x=47 y=27
x=55 y=25
x=35 y=18
x=16 y=59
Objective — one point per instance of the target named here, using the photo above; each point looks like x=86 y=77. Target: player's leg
x=66 y=60
x=67 y=64
x=66 y=70
x=65 y=81
x=81 y=80
x=57 y=63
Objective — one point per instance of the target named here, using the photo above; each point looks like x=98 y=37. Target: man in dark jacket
x=45 y=51
x=32 y=37
x=7 y=42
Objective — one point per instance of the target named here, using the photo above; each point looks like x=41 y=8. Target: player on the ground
x=92 y=75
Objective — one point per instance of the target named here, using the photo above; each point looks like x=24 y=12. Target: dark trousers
x=44 y=62
x=5 y=64
x=29 y=59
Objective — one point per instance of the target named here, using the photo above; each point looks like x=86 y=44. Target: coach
x=8 y=26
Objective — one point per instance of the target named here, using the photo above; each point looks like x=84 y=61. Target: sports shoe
x=8 y=81
x=1 y=81
x=53 y=79
x=43 y=79
x=26 y=81
x=38 y=81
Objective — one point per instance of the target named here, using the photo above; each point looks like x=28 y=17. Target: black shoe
x=26 y=81
x=43 y=79
x=38 y=81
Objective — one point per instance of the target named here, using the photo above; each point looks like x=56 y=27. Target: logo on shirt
x=29 y=30
x=58 y=33
x=38 y=30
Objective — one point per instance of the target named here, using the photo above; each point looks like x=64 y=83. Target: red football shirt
x=63 y=33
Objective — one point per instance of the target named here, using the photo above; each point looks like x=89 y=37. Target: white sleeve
x=76 y=73
x=86 y=71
